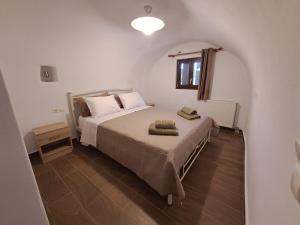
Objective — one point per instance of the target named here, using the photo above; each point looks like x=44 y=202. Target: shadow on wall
x=237 y=115
x=69 y=118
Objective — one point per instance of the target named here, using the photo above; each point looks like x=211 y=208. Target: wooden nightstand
x=53 y=141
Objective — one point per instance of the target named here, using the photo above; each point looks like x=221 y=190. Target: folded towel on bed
x=189 y=110
x=165 y=124
x=155 y=131
x=188 y=116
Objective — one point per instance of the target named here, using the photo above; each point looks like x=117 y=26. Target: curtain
x=206 y=73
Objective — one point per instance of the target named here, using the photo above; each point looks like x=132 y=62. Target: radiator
x=222 y=111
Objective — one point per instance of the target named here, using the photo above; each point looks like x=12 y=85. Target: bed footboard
x=193 y=156
x=190 y=161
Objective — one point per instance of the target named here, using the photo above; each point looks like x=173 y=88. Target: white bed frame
x=72 y=100
x=190 y=161
x=185 y=167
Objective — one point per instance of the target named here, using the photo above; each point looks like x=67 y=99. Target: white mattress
x=89 y=125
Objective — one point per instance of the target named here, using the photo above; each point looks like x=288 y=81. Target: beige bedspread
x=155 y=159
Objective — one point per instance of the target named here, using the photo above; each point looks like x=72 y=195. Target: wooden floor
x=86 y=187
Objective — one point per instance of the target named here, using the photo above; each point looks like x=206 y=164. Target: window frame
x=191 y=62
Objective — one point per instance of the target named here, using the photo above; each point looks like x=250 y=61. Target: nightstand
x=53 y=141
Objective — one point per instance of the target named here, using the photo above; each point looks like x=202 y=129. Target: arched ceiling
x=264 y=34
x=241 y=26
x=185 y=20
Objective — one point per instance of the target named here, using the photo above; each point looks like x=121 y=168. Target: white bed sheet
x=89 y=125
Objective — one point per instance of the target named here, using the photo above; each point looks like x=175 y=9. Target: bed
x=161 y=161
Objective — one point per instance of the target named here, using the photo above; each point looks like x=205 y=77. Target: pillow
x=83 y=108
x=131 y=100
x=101 y=106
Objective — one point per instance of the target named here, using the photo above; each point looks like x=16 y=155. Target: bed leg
x=208 y=137
x=77 y=136
x=170 y=200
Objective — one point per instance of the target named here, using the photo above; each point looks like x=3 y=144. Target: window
x=188 y=73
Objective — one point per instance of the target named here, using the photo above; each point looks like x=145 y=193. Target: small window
x=188 y=73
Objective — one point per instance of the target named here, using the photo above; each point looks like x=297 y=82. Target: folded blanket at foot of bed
x=165 y=124
x=189 y=110
x=188 y=116
x=156 y=131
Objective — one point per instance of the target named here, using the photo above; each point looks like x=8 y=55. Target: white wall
x=82 y=37
x=70 y=35
x=265 y=34
x=230 y=82
x=20 y=199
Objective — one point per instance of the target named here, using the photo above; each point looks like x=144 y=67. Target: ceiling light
x=147 y=24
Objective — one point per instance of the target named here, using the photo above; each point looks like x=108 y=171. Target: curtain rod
x=190 y=53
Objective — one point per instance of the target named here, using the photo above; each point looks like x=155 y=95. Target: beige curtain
x=207 y=67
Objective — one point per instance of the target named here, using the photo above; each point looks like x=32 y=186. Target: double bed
x=161 y=161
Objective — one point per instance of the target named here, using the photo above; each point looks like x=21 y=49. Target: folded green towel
x=189 y=110
x=188 y=116
x=165 y=124
x=155 y=131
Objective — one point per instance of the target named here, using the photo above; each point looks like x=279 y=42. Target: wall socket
x=57 y=110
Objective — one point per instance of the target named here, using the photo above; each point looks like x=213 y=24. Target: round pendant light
x=147 y=24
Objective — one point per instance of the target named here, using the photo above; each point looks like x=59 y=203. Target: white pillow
x=102 y=105
x=131 y=100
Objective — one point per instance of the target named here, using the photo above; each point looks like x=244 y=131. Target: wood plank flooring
x=88 y=188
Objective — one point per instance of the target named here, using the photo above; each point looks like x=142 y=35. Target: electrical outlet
x=58 y=110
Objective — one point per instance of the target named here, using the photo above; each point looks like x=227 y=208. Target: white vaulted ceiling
x=80 y=36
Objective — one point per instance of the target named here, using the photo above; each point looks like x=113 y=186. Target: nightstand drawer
x=52 y=136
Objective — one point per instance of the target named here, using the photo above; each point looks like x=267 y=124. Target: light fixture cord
x=148 y=9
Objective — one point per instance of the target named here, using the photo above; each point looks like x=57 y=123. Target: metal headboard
x=72 y=101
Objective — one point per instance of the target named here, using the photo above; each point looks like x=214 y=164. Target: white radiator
x=222 y=111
